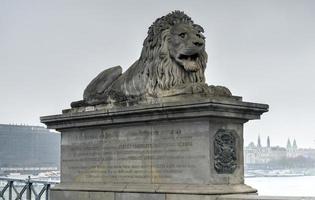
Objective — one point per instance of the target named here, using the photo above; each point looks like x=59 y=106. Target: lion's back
x=132 y=82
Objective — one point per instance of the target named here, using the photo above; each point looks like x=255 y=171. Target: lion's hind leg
x=97 y=90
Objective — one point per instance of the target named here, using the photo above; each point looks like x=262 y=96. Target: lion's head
x=173 y=53
x=186 y=46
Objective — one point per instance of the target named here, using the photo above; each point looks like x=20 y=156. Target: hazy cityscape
x=272 y=168
x=274 y=160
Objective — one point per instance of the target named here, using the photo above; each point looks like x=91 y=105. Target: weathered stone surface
x=172 y=63
x=256 y=197
x=158 y=153
x=190 y=197
x=90 y=195
x=167 y=152
x=158 y=188
x=80 y=195
x=113 y=155
x=225 y=158
x=139 y=196
x=159 y=110
x=181 y=154
x=163 y=148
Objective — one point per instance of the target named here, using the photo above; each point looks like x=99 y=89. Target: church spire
x=289 y=146
x=259 y=142
x=268 y=142
x=294 y=144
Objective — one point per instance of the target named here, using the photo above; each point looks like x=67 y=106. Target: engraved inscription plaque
x=225 y=151
x=157 y=153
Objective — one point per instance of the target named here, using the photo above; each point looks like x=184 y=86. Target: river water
x=283 y=186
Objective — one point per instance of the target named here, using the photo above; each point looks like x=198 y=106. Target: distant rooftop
x=25 y=127
x=21 y=125
x=28 y=146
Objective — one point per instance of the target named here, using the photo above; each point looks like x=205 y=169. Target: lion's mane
x=161 y=70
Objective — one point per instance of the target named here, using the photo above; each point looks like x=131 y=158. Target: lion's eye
x=182 y=35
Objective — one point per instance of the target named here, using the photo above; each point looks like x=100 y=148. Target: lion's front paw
x=198 y=88
x=220 y=91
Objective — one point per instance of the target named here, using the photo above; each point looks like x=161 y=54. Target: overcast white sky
x=261 y=50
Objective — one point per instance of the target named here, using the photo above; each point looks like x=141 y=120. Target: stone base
x=159 y=188
x=89 y=195
x=77 y=195
x=175 y=150
x=146 y=192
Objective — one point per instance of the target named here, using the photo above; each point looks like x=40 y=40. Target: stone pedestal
x=166 y=150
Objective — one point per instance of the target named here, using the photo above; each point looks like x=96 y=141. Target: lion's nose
x=198 y=43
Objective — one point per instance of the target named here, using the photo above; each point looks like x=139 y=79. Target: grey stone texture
x=225 y=153
x=139 y=196
x=190 y=197
x=172 y=62
x=163 y=153
x=257 y=197
x=79 y=195
x=156 y=149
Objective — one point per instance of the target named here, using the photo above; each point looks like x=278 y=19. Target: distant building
x=28 y=147
x=258 y=155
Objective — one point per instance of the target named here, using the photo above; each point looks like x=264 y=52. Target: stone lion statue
x=172 y=62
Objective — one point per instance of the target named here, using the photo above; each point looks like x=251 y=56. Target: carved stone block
x=225 y=156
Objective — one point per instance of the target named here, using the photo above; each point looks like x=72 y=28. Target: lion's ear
x=198 y=28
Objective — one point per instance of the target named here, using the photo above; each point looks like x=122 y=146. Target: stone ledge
x=87 y=195
x=146 y=113
x=158 y=188
x=257 y=197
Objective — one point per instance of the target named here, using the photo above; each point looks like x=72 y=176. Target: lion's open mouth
x=188 y=57
x=189 y=62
